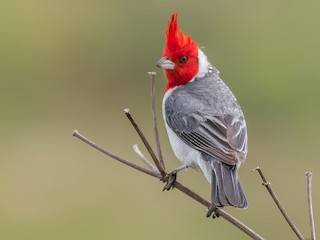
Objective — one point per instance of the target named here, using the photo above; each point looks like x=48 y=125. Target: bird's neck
x=176 y=79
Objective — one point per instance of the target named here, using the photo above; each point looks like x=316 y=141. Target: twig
x=155 y=123
x=177 y=185
x=145 y=142
x=220 y=212
x=276 y=200
x=311 y=218
x=192 y=194
x=144 y=159
x=114 y=156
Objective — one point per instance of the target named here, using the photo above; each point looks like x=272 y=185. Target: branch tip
x=308 y=174
x=152 y=74
x=145 y=160
x=75 y=132
x=256 y=168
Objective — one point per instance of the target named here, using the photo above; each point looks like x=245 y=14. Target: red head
x=180 y=55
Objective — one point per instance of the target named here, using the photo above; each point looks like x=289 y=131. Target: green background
x=68 y=65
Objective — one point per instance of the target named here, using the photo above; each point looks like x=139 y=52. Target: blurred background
x=68 y=65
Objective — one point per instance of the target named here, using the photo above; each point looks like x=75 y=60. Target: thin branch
x=144 y=159
x=276 y=200
x=155 y=123
x=311 y=218
x=145 y=142
x=177 y=185
x=192 y=194
x=114 y=156
x=220 y=212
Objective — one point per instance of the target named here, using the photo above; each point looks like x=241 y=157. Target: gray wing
x=222 y=136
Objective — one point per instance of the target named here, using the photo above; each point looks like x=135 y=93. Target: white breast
x=183 y=152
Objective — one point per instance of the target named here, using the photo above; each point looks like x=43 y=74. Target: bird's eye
x=184 y=59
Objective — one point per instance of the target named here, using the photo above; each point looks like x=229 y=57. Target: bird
x=203 y=119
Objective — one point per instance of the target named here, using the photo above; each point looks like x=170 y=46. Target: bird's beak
x=165 y=63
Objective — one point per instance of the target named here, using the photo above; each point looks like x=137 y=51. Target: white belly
x=187 y=155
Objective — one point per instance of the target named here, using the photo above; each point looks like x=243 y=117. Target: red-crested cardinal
x=204 y=121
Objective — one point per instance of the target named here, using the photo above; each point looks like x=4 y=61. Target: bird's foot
x=169 y=179
x=213 y=210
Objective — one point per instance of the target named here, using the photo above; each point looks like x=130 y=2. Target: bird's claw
x=169 y=179
x=213 y=210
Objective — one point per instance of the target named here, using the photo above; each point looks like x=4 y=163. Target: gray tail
x=225 y=186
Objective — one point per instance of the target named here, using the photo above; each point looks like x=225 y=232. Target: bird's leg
x=171 y=177
x=212 y=210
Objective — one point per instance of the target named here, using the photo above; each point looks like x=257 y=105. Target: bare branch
x=177 y=185
x=192 y=194
x=311 y=218
x=155 y=123
x=114 y=156
x=145 y=142
x=160 y=172
x=276 y=200
x=144 y=159
x=220 y=211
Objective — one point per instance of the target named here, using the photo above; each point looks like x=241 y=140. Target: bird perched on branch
x=204 y=121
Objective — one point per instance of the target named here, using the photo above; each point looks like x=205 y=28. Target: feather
x=205 y=116
x=225 y=187
x=206 y=123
